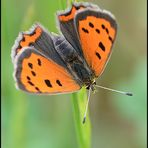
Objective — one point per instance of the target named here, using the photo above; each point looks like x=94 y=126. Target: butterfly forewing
x=97 y=32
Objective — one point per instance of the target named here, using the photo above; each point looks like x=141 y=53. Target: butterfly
x=49 y=63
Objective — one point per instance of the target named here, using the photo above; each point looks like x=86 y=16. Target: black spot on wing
x=103 y=27
x=33 y=73
x=28 y=78
x=39 y=62
x=30 y=83
x=47 y=82
x=37 y=89
x=85 y=30
x=58 y=82
x=110 y=38
x=30 y=65
x=107 y=31
x=102 y=46
x=91 y=25
x=97 y=30
x=98 y=55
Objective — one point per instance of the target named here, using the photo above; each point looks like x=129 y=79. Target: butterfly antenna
x=121 y=92
x=86 y=108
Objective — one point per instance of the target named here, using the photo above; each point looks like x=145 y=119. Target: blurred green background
x=30 y=121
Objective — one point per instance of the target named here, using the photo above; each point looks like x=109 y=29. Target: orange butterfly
x=47 y=63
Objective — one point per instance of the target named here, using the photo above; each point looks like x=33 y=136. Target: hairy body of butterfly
x=50 y=63
x=78 y=67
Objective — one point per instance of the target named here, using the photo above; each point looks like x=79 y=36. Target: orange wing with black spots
x=35 y=73
x=97 y=31
x=26 y=39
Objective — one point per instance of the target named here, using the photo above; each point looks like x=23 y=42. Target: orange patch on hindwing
x=96 y=37
x=41 y=75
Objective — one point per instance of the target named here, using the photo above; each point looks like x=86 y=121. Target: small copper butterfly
x=48 y=63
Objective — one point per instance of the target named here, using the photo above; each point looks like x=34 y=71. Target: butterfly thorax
x=75 y=62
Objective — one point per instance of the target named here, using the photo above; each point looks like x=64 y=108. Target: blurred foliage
x=30 y=121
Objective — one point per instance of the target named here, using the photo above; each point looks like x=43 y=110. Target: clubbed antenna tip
x=84 y=119
x=129 y=94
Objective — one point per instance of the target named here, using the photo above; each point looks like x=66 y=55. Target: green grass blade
x=83 y=131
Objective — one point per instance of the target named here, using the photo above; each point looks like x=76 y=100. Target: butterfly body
x=47 y=63
x=76 y=64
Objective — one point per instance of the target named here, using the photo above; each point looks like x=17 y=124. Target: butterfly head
x=91 y=86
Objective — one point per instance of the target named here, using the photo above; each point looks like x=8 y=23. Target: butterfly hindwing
x=35 y=73
x=96 y=31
